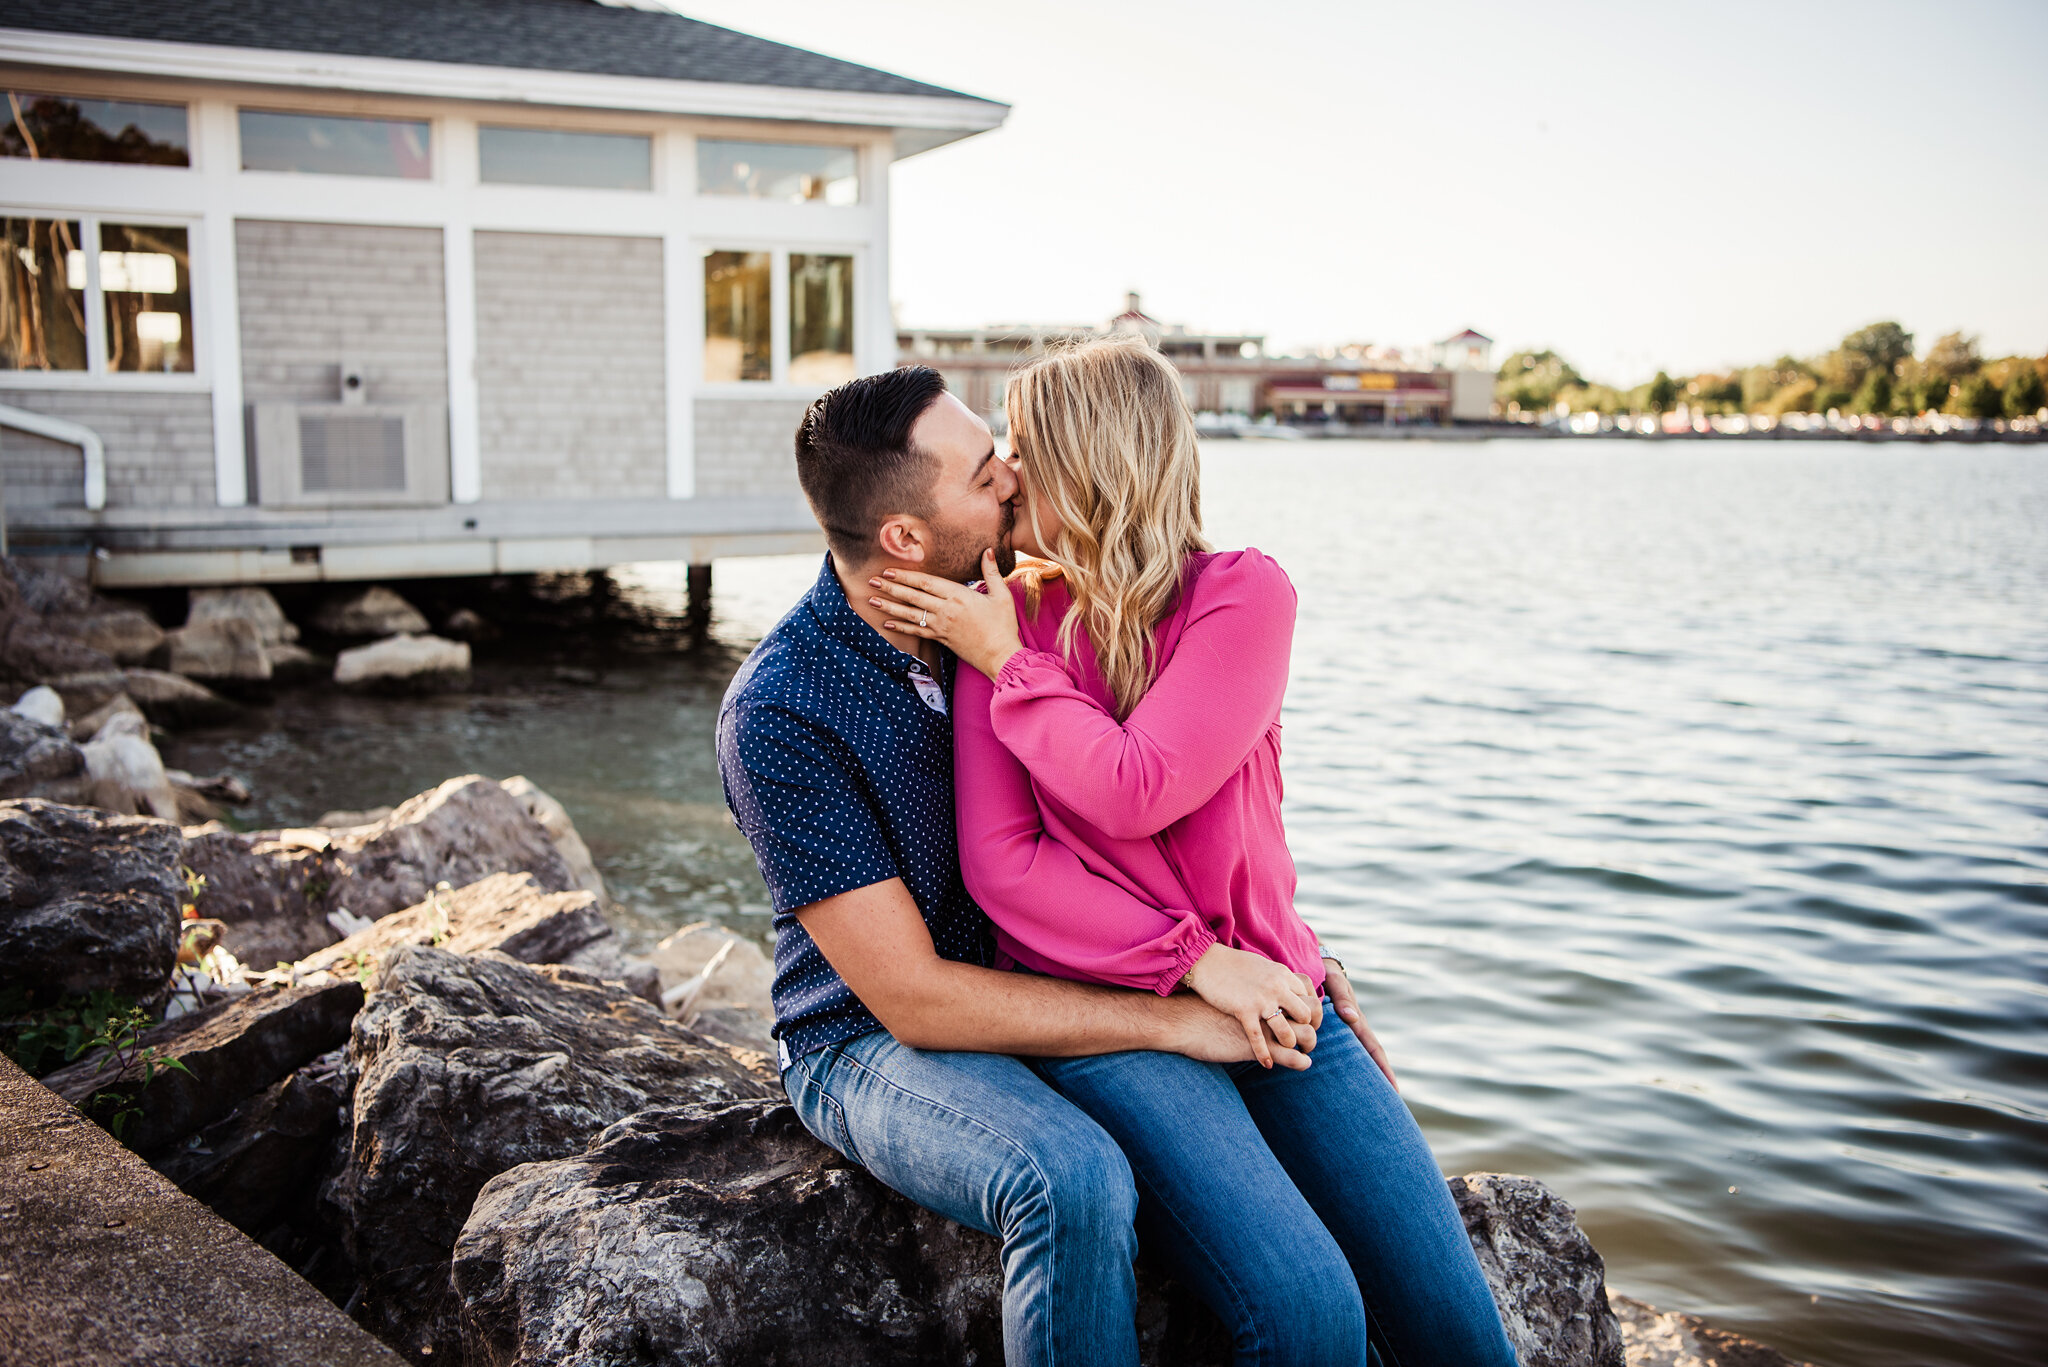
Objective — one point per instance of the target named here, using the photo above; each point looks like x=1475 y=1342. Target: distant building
x=1221 y=373
x=1469 y=358
x=302 y=290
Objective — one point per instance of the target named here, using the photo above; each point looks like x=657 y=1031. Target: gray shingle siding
x=539 y=35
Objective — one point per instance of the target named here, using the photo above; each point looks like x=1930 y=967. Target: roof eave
x=920 y=122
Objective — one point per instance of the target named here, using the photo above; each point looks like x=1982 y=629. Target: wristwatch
x=1323 y=952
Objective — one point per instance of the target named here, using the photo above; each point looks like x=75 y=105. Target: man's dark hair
x=855 y=460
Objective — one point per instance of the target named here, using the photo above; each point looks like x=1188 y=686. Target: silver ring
x=1270 y=1014
x=923 y=613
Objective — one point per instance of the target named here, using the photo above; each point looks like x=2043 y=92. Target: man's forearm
x=962 y=1007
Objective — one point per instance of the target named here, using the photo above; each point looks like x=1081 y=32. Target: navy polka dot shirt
x=840 y=775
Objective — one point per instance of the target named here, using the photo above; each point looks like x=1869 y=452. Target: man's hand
x=1346 y=1002
x=1202 y=1032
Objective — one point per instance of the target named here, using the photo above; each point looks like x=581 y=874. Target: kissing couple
x=1037 y=961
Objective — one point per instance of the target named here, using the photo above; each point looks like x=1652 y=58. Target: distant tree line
x=1873 y=371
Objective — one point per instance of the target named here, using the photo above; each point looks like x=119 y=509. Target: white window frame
x=778 y=385
x=862 y=174
x=96 y=375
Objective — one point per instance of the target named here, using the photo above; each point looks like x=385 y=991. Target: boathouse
x=343 y=289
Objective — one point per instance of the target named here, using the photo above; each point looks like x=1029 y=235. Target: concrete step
x=104 y=1261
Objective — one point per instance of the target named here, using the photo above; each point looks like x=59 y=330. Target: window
x=539 y=156
x=820 y=320
x=59 y=275
x=329 y=145
x=736 y=325
x=42 y=311
x=146 y=280
x=59 y=128
x=778 y=170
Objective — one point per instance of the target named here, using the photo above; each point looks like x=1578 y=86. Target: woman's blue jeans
x=1304 y=1208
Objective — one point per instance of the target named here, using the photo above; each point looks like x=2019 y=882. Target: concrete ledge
x=104 y=1261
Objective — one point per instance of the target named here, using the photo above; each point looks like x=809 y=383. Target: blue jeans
x=1305 y=1208
x=981 y=1139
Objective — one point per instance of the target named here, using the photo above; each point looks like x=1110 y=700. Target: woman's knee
x=1306 y=1314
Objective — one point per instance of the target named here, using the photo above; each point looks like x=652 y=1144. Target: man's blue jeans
x=981 y=1139
x=1305 y=1208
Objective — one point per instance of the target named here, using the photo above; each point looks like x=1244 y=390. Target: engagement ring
x=923 y=613
x=1270 y=1014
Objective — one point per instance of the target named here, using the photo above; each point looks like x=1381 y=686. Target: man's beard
x=958 y=555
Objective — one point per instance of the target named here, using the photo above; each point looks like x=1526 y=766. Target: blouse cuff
x=1015 y=670
x=1196 y=945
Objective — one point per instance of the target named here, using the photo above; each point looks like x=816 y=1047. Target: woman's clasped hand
x=981 y=628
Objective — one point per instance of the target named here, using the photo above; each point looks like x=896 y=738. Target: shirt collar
x=836 y=617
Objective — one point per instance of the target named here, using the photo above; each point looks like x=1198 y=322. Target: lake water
x=1682 y=807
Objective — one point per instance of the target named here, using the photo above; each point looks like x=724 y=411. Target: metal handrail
x=74 y=434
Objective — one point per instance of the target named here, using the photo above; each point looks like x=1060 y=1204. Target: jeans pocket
x=815 y=1105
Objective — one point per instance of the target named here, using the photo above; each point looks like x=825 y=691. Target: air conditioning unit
x=353 y=454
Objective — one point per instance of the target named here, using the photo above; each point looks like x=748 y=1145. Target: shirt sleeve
x=1035 y=889
x=1199 y=721
x=795 y=796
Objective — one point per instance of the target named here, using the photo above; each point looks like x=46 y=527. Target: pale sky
x=1636 y=185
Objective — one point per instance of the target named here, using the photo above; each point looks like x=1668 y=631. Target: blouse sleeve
x=1205 y=712
x=1035 y=888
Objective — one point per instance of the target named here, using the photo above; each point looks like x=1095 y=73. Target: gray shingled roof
x=540 y=35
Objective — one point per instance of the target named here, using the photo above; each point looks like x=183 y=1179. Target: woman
x=1124 y=703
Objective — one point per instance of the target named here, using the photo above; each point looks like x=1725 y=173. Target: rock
x=508 y=912
x=295 y=664
x=702 y=1233
x=1549 y=1282
x=710 y=1234
x=554 y=819
x=41 y=703
x=220 y=788
x=128 y=636
x=252 y=605
x=467 y=624
x=33 y=752
x=741 y=980
x=344 y=820
x=127 y=774
x=30 y=652
x=87 y=692
x=374 y=612
x=468 y=1066
x=172 y=699
x=277 y=887
x=404 y=662
x=233 y=1049
x=262 y=1162
x=107 y=1262
x=1659 y=1338
x=87 y=900
x=222 y=649
x=50 y=593
x=740 y=1030
x=88 y=726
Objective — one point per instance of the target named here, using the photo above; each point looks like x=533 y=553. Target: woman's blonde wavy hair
x=1104 y=434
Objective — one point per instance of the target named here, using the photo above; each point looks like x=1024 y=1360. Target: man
x=896 y=1036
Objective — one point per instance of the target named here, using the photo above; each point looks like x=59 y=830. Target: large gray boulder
x=231 y=1050
x=467 y=1066
x=275 y=889
x=711 y=1234
x=128 y=636
x=166 y=699
x=404 y=664
x=1548 y=1280
x=261 y=1164
x=33 y=753
x=30 y=652
x=252 y=605
x=219 y=649
x=88 y=900
x=373 y=612
x=508 y=912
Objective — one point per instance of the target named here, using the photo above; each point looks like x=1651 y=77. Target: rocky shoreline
x=404 y=1052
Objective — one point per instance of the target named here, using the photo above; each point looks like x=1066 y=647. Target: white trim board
x=923 y=121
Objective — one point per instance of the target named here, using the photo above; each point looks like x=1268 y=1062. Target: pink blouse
x=1119 y=852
